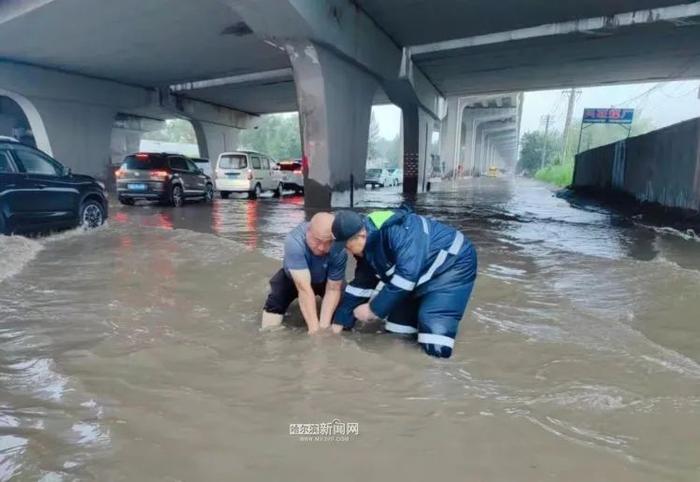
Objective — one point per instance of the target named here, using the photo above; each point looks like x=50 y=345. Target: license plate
x=137 y=187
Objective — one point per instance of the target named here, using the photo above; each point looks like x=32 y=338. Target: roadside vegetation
x=558 y=174
x=547 y=159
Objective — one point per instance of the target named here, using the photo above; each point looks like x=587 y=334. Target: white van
x=247 y=171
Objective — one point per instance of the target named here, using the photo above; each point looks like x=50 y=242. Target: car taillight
x=250 y=175
x=298 y=171
x=160 y=174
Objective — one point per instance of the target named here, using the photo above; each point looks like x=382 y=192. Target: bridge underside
x=221 y=63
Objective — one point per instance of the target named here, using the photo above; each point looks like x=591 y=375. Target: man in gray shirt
x=312 y=266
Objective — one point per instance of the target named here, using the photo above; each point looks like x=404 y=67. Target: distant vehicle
x=292 y=175
x=203 y=164
x=247 y=171
x=168 y=178
x=38 y=193
x=396 y=176
x=493 y=172
x=378 y=177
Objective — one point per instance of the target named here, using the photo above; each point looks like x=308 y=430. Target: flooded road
x=133 y=352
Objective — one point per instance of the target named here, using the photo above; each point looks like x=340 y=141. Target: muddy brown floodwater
x=133 y=353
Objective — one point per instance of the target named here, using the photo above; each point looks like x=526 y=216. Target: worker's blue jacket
x=405 y=252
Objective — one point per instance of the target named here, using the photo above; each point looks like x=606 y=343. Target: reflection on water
x=133 y=352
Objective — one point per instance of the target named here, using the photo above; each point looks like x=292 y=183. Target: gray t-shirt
x=298 y=255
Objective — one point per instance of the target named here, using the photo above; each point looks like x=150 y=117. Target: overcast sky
x=663 y=103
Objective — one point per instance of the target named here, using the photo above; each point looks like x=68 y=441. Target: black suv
x=168 y=178
x=39 y=194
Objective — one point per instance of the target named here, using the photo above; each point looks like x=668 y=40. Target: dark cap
x=346 y=225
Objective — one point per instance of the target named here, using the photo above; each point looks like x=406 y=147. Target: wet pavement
x=133 y=352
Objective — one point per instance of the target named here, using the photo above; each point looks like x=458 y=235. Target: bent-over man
x=312 y=266
x=427 y=268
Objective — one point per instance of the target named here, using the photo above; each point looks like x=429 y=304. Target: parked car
x=203 y=164
x=377 y=177
x=168 y=178
x=292 y=176
x=38 y=193
x=396 y=176
x=247 y=171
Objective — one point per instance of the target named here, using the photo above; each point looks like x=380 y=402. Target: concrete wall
x=662 y=166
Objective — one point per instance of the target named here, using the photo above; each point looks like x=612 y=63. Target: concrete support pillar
x=127 y=132
x=479 y=149
x=483 y=153
x=213 y=139
x=469 y=139
x=451 y=135
x=417 y=134
x=335 y=104
x=79 y=134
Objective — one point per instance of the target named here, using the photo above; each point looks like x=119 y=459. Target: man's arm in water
x=357 y=293
x=330 y=302
x=307 y=298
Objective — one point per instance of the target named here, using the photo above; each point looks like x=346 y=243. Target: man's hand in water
x=364 y=313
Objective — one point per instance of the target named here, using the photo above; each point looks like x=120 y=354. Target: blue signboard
x=608 y=116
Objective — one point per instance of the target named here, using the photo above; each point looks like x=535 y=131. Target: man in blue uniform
x=427 y=272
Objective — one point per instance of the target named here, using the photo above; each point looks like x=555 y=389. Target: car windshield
x=374 y=172
x=144 y=162
x=233 y=161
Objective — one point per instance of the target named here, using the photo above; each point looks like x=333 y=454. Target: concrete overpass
x=74 y=66
x=466 y=145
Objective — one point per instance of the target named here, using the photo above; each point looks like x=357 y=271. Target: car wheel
x=177 y=198
x=127 y=201
x=209 y=193
x=278 y=191
x=224 y=194
x=255 y=193
x=92 y=214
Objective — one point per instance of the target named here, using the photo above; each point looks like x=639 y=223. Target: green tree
x=276 y=134
x=389 y=150
x=533 y=145
x=175 y=130
x=373 y=148
x=394 y=150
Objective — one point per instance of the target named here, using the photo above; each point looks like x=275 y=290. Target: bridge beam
x=339 y=58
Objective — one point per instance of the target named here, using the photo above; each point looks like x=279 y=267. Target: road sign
x=608 y=116
x=621 y=117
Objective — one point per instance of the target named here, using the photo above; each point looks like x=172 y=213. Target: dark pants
x=283 y=291
x=435 y=309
